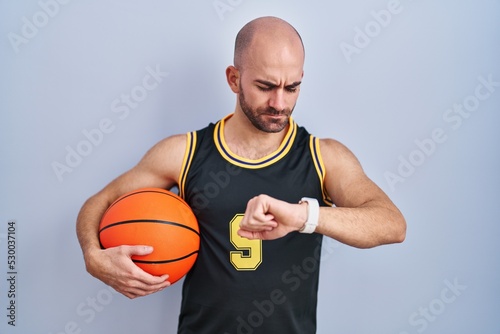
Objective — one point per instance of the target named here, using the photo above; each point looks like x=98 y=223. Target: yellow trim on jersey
x=186 y=162
x=320 y=167
x=269 y=159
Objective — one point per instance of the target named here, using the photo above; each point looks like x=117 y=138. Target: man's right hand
x=114 y=266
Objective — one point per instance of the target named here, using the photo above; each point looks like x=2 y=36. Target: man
x=261 y=230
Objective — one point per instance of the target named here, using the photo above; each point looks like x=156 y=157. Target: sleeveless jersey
x=250 y=286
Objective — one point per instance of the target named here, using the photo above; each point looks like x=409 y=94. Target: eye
x=265 y=89
x=291 y=89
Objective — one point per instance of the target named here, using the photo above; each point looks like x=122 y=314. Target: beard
x=258 y=116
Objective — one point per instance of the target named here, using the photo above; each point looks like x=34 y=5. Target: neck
x=247 y=141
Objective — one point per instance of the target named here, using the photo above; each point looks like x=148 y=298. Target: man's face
x=263 y=115
x=269 y=87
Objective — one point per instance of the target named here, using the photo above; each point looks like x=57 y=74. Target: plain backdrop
x=411 y=87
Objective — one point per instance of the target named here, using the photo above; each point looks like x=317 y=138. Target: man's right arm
x=159 y=168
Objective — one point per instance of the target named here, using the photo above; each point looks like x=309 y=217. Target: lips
x=275 y=113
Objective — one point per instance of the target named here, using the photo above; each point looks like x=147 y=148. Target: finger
x=268 y=221
x=138 y=273
x=153 y=286
x=135 y=293
x=139 y=250
x=248 y=234
x=144 y=290
x=139 y=288
x=163 y=283
x=147 y=279
x=128 y=294
x=257 y=226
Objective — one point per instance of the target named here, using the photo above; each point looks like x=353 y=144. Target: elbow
x=395 y=233
x=400 y=230
x=400 y=238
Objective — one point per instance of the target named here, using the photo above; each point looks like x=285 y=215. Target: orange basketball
x=158 y=218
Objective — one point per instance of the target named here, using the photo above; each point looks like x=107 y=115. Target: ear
x=233 y=78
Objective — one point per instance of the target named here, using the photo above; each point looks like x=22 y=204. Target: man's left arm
x=363 y=215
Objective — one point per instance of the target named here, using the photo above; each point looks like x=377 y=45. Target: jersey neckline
x=269 y=159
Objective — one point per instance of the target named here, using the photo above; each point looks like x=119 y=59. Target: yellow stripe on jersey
x=226 y=153
x=320 y=167
x=186 y=162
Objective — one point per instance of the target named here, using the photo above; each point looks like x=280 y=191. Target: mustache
x=275 y=112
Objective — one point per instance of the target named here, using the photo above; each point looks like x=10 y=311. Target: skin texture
x=266 y=79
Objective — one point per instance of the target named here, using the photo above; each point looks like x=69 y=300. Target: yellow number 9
x=248 y=255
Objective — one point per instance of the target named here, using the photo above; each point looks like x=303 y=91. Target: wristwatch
x=312 y=215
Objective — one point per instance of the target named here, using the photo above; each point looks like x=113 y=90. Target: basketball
x=158 y=218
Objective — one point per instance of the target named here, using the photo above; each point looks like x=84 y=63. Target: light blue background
x=379 y=101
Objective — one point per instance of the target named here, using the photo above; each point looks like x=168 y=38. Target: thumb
x=247 y=234
x=138 y=250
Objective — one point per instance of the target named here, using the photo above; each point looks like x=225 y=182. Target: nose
x=277 y=100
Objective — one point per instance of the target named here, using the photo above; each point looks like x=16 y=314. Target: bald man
x=280 y=190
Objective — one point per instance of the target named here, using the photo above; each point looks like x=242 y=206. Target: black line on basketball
x=156 y=221
x=172 y=195
x=165 y=261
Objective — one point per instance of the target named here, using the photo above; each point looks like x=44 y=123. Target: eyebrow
x=271 y=85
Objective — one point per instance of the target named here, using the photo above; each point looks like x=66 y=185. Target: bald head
x=265 y=32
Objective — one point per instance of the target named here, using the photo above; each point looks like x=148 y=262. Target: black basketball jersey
x=250 y=286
